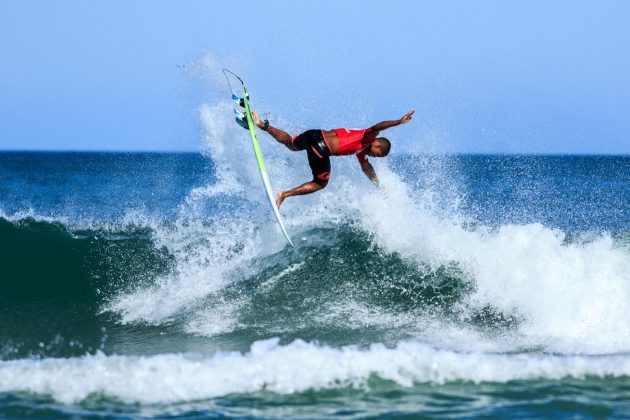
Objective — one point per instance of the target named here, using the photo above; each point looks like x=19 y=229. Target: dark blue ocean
x=159 y=285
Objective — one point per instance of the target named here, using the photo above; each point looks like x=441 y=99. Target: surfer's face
x=380 y=147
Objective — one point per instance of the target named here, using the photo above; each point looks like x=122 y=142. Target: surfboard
x=246 y=121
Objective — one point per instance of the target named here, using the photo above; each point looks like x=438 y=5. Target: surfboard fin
x=241 y=119
x=240 y=101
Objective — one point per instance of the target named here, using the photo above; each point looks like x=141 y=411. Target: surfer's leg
x=280 y=136
x=320 y=168
x=306 y=188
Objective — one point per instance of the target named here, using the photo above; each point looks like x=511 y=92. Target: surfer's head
x=380 y=147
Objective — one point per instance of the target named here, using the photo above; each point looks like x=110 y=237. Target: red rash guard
x=355 y=142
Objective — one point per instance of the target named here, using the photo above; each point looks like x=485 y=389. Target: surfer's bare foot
x=280 y=198
x=257 y=121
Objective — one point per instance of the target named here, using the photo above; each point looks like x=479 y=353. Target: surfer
x=321 y=144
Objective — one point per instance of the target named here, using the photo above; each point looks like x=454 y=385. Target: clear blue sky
x=484 y=76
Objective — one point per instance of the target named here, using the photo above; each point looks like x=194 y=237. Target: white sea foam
x=204 y=256
x=207 y=251
x=295 y=367
x=31 y=214
x=567 y=297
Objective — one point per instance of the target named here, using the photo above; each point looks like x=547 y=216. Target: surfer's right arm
x=368 y=170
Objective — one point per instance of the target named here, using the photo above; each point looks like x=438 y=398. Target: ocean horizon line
x=191 y=152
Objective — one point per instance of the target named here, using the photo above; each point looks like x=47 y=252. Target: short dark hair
x=387 y=145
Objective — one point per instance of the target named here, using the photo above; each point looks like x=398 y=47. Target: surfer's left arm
x=384 y=125
x=369 y=171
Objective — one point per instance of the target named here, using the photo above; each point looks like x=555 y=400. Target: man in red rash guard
x=321 y=144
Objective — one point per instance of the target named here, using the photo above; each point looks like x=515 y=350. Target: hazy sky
x=484 y=76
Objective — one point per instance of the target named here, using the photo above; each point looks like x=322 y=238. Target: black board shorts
x=318 y=154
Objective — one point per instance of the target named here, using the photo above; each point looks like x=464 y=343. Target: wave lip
x=296 y=367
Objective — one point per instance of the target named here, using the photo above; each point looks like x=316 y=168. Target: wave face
x=160 y=284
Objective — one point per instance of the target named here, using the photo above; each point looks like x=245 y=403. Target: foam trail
x=296 y=367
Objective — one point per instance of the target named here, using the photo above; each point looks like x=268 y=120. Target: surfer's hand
x=257 y=121
x=407 y=117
